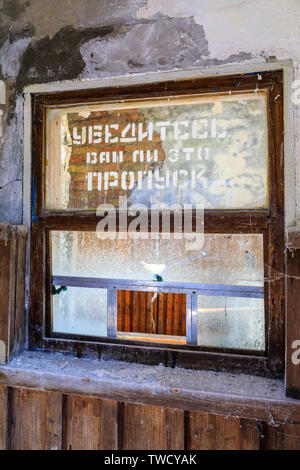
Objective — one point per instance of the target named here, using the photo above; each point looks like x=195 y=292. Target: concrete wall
x=44 y=41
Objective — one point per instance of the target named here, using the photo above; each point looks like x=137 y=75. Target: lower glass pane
x=80 y=310
x=224 y=259
x=231 y=322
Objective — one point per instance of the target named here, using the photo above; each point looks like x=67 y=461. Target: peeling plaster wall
x=43 y=41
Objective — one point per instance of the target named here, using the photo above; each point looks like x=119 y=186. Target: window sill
x=214 y=392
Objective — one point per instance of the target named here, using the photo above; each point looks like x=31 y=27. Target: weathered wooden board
x=273 y=437
x=245 y=406
x=3 y=418
x=7 y=288
x=293 y=324
x=83 y=423
x=175 y=429
x=12 y=287
x=19 y=320
x=143 y=427
x=54 y=421
x=146 y=427
x=292 y=437
x=91 y=424
x=280 y=436
x=38 y=420
x=110 y=424
x=34 y=420
x=214 y=432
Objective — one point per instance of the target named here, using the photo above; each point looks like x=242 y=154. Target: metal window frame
x=192 y=290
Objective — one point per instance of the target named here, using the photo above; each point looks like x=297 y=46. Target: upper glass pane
x=224 y=259
x=209 y=150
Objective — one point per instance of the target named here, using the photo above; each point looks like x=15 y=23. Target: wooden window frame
x=269 y=222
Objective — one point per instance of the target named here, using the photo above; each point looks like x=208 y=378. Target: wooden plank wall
x=292 y=375
x=12 y=288
x=31 y=419
x=146 y=312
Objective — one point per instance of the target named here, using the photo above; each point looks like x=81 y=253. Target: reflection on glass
x=231 y=322
x=81 y=311
x=209 y=150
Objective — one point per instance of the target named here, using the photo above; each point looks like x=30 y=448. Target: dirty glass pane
x=223 y=259
x=80 y=310
x=235 y=259
x=209 y=150
x=231 y=322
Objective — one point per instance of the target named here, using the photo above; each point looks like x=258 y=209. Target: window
x=157 y=225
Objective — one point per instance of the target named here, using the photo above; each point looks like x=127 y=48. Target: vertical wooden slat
x=281 y=437
x=149 y=313
x=120 y=312
x=36 y=420
x=7 y=289
x=175 y=429
x=273 y=437
x=12 y=288
x=249 y=435
x=139 y=310
x=12 y=293
x=127 y=311
x=154 y=301
x=28 y=420
x=148 y=427
x=54 y=421
x=166 y=312
x=214 y=432
x=161 y=314
x=169 y=327
x=292 y=376
x=109 y=425
x=177 y=305
x=201 y=432
x=135 y=311
x=123 y=309
x=143 y=312
x=83 y=423
x=144 y=427
x=292 y=437
x=91 y=424
x=3 y=417
x=20 y=289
